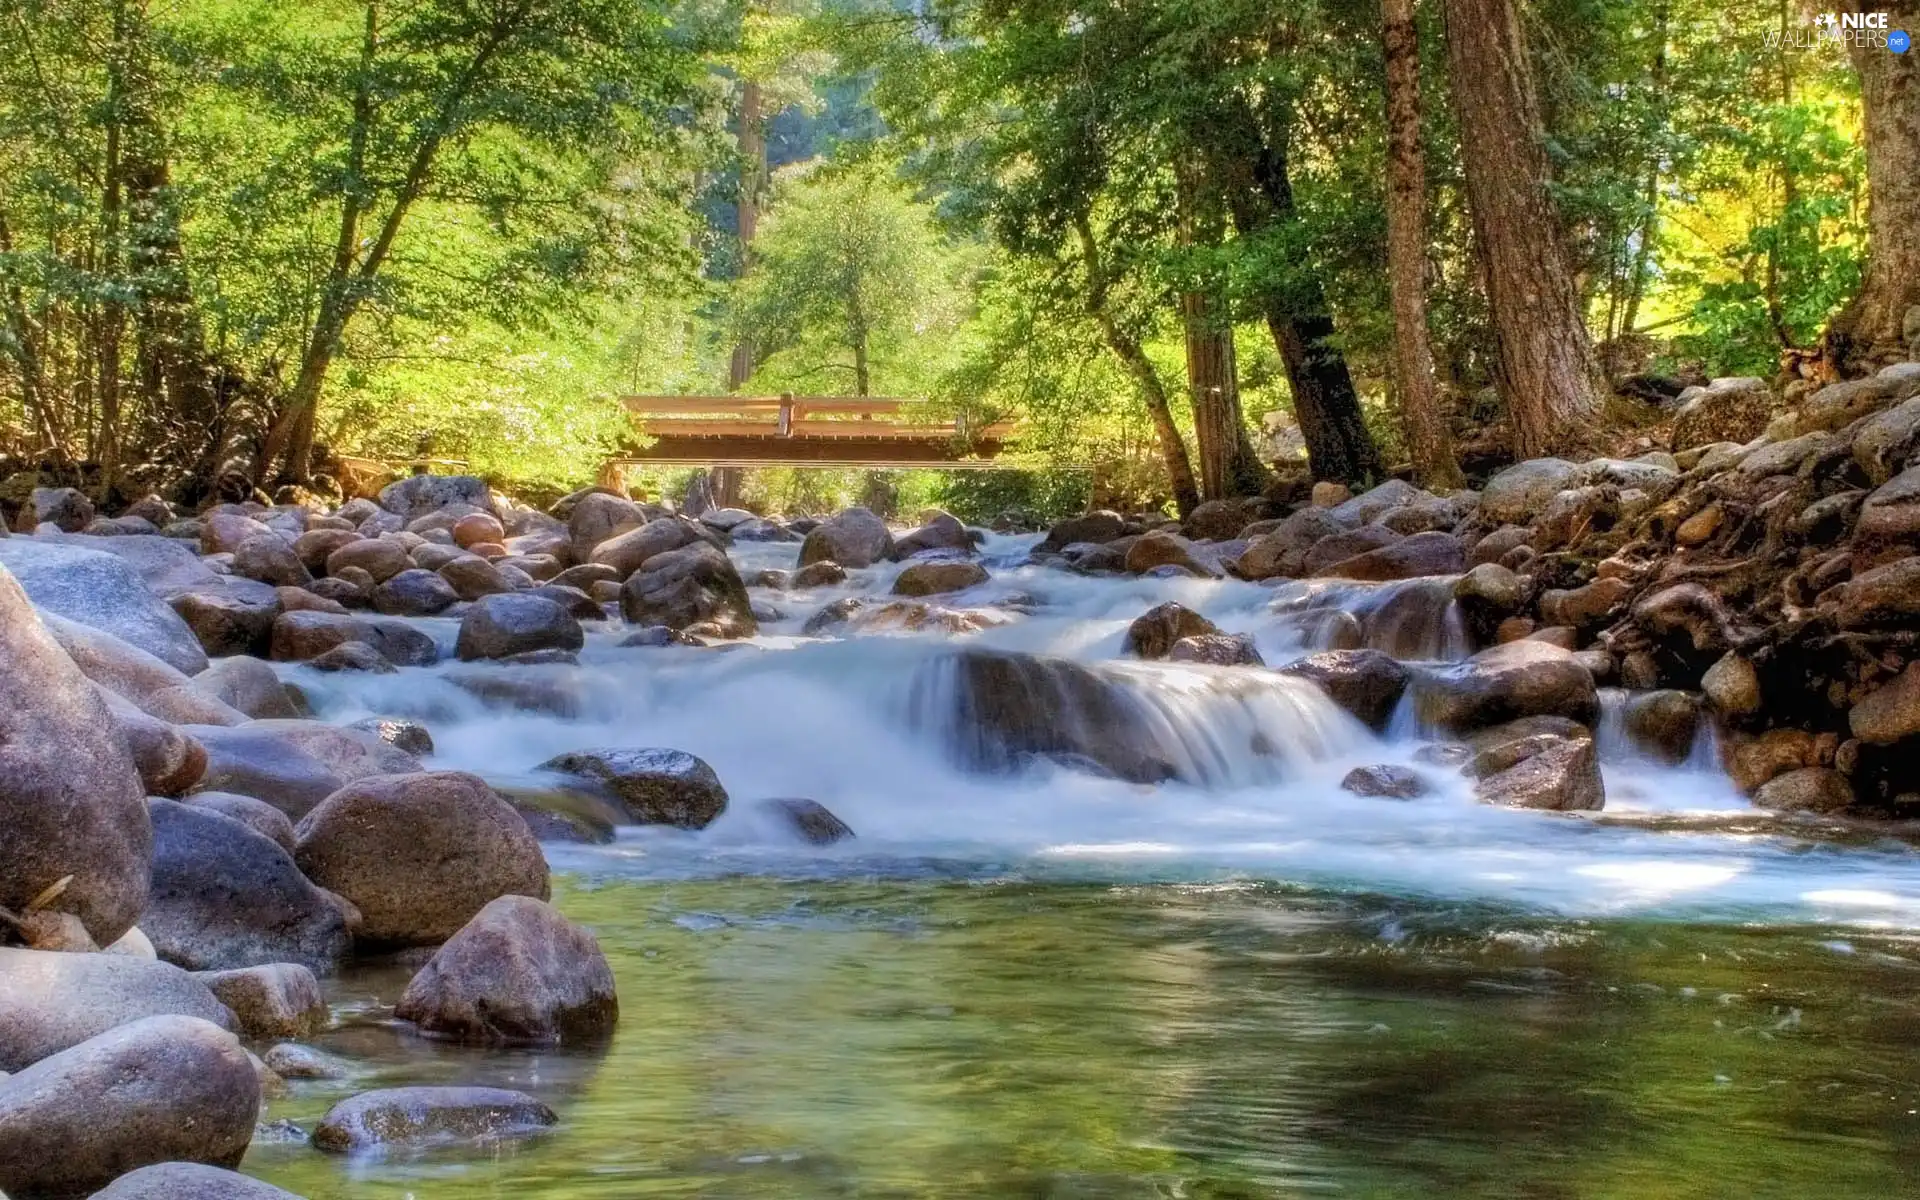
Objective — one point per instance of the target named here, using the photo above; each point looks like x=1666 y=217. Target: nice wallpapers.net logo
x=1843 y=31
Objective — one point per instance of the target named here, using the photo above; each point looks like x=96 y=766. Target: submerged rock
x=518 y=973
x=1388 y=782
x=424 y=1116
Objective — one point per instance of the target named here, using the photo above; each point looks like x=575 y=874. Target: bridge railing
x=794 y=416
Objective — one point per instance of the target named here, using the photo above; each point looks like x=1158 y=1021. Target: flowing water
x=1046 y=981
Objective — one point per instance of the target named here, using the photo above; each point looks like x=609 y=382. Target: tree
x=1228 y=464
x=1874 y=326
x=1428 y=439
x=1544 y=368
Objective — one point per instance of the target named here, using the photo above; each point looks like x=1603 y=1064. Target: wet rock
x=1323 y=629
x=855 y=538
x=189 y=1181
x=807 y=818
x=1366 y=683
x=1431 y=553
x=378 y=557
x=1162 y=549
x=917 y=616
x=1891 y=712
x=227 y=896
x=1154 y=632
x=1541 y=762
x=832 y=616
x=419 y=495
x=1727 y=410
x=1522 y=492
x=290 y=1060
x=257 y=815
x=1490 y=592
x=656 y=636
x=352 y=656
x=1752 y=763
x=101 y=591
x=414 y=593
x=1806 y=789
x=425 y=1116
x=163 y=1089
x=938 y=531
x=249 y=686
x=1218 y=650
x=1098 y=527
x=500 y=626
x=656 y=786
x=818 y=574
x=693 y=585
x=1585 y=607
x=409 y=736
x=760 y=530
x=1501 y=544
x=578 y=604
x=1387 y=782
x=1732 y=686
x=518 y=973
x=567 y=814
x=51 y=1001
x=71 y=799
x=938 y=578
x=1663 y=722
x=298 y=636
x=419 y=855
x=273 y=1000
x=1507 y=682
x=625 y=553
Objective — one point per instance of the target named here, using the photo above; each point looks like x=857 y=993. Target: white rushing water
x=1257 y=758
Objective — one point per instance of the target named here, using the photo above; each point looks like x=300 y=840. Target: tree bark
x=1228 y=464
x=1250 y=167
x=1545 y=369
x=1429 y=441
x=1873 y=328
x=1133 y=358
x=753 y=178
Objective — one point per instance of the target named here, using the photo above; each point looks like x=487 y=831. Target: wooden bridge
x=804 y=431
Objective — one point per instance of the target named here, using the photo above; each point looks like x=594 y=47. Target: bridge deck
x=760 y=431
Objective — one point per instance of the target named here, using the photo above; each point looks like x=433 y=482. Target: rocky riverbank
x=186 y=852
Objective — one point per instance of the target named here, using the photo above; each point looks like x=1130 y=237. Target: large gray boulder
x=166 y=565
x=656 y=786
x=1366 y=683
x=1522 y=492
x=854 y=538
x=694 y=585
x=50 y=1001
x=293 y=764
x=427 y=1116
x=421 y=495
x=626 y=552
x=419 y=855
x=226 y=896
x=518 y=973
x=71 y=802
x=1519 y=679
x=99 y=589
x=505 y=625
x=154 y=686
x=163 y=1089
x=189 y=1181
x=300 y=636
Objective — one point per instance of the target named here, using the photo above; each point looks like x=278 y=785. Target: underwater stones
x=937 y=578
x=1154 y=632
x=1517 y=679
x=162 y=1089
x=1545 y=762
x=1366 y=683
x=419 y=855
x=425 y=1116
x=518 y=973
x=505 y=625
x=1386 y=782
x=854 y=538
x=657 y=786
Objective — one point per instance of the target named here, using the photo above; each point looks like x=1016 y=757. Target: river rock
x=938 y=578
x=518 y=973
x=1886 y=441
x=1664 y=722
x=472 y=577
x=1001 y=712
x=597 y=517
x=316 y=546
x=938 y=531
x=418 y=495
x=268 y=759
x=248 y=686
x=1430 y=553
x=808 y=818
x=1282 y=552
x=1544 y=762
x=414 y=593
x=162 y=1089
x=50 y=1001
x=71 y=799
x=272 y=1000
x=854 y=538
x=227 y=896
x=169 y=760
x=99 y=590
x=1366 y=683
x=1519 y=679
x=819 y=574
x=625 y=553
x=291 y=1060
x=1217 y=650
x=1727 y=410
x=1100 y=526
x=657 y=786
x=225 y=529
x=1753 y=761
x=1348 y=543
x=1163 y=549
x=1587 y=606
x=268 y=559
x=1386 y=782
x=1522 y=492
x=1891 y=713
x=477 y=528
x=1154 y=632
x=189 y=1181
x=66 y=509
x=128 y=671
x=500 y=626
x=1733 y=686
x=378 y=557
x=298 y=636
x=696 y=584
x=257 y=815
x=425 y=1116
x=419 y=855
x=1806 y=789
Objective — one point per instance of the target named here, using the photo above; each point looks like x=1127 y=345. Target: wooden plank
x=742 y=427
x=667 y=405
x=748 y=450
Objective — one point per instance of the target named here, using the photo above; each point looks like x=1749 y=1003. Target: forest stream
x=1242 y=982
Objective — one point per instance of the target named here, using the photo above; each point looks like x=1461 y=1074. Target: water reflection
x=834 y=1038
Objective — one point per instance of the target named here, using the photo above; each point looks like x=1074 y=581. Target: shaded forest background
x=240 y=239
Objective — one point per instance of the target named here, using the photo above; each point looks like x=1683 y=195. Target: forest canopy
x=1180 y=241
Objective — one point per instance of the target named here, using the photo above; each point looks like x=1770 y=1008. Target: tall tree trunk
x=1545 y=369
x=753 y=181
x=23 y=340
x=1249 y=165
x=1650 y=199
x=1228 y=464
x=1874 y=327
x=1133 y=358
x=113 y=310
x=1428 y=439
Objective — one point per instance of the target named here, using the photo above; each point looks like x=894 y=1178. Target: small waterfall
x=1611 y=737
x=1408 y=618
x=1145 y=723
